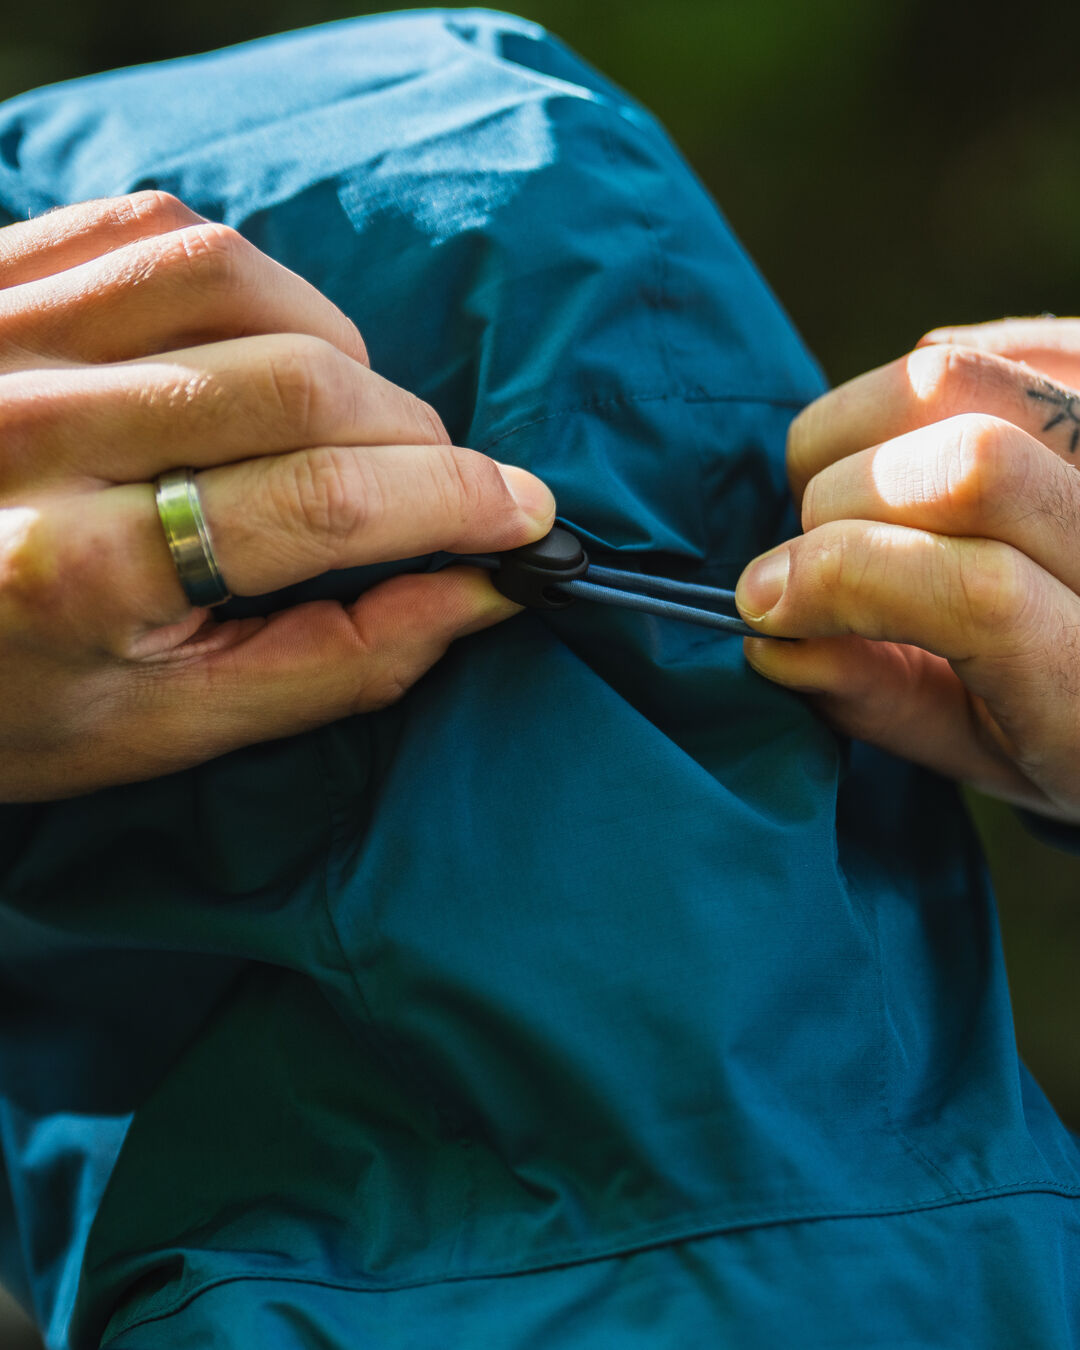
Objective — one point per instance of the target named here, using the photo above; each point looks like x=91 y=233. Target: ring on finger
x=182 y=519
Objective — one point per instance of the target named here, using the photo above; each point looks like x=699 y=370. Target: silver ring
x=185 y=529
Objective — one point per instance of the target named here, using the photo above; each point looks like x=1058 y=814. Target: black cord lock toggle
x=555 y=571
x=529 y=575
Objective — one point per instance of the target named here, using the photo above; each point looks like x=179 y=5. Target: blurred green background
x=891 y=165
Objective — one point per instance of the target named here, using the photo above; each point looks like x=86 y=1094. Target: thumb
x=318 y=662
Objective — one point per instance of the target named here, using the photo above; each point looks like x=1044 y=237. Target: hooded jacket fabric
x=595 y=996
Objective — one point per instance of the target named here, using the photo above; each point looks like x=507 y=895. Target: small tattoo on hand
x=1065 y=408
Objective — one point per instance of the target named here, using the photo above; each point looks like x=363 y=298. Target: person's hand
x=937 y=583
x=136 y=337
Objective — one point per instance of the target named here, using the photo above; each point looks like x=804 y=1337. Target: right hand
x=136 y=337
x=936 y=586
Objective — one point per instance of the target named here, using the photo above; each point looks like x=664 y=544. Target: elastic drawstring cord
x=665 y=609
x=554 y=571
x=662 y=586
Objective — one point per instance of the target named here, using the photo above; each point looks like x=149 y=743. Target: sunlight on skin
x=930 y=387
x=934 y=588
x=940 y=466
x=16 y=526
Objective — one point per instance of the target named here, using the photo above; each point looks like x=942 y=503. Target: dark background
x=892 y=166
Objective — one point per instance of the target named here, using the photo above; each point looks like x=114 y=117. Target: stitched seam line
x=654 y=303
x=641 y=1243
x=659 y=304
x=883 y=1021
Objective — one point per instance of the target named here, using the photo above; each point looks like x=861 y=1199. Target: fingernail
x=533 y=496
x=762 y=584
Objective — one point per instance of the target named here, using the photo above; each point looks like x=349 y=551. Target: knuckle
x=390 y=668
x=469 y=487
x=339 y=391
x=303 y=377
x=430 y=429
x=991 y=589
x=331 y=497
x=385 y=687
x=372 y=400
x=354 y=340
x=843 y=573
x=945 y=377
x=316 y=389
x=833 y=564
x=979 y=466
x=210 y=256
x=152 y=208
x=935 y=336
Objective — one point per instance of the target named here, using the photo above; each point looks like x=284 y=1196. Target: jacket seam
x=642 y=1242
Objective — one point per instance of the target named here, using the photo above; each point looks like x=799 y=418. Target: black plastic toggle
x=529 y=574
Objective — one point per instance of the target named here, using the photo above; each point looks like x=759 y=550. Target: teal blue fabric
x=594 y=997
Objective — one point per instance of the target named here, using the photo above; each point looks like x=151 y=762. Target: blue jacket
x=595 y=997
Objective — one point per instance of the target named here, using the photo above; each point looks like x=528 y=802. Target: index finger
x=926 y=386
x=1008 y=629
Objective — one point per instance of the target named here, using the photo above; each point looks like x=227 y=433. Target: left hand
x=137 y=337
x=937 y=584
